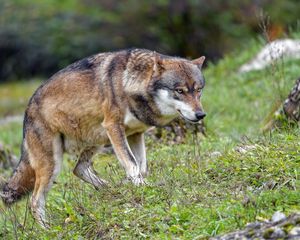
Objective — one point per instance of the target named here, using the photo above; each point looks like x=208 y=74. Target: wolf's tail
x=21 y=182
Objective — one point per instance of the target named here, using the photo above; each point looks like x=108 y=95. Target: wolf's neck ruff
x=144 y=109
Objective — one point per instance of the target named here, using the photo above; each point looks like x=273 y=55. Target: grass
x=14 y=96
x=197 y=190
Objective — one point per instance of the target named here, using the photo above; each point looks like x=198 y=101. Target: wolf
x=108 y=98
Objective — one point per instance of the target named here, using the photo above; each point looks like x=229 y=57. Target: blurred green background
x=37 y=38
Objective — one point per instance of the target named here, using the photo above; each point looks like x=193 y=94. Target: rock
x=288 y=112
x=272 y=52
x=291 y=105
x=279 y=227
x=278 y=216
x=295 y=232
x=277 y=233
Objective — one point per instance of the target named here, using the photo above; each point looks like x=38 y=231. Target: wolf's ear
x=199 y=61
x=158 y=67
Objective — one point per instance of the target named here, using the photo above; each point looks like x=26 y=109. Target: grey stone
x=278 y=216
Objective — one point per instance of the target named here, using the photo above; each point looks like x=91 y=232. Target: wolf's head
x=177 y=85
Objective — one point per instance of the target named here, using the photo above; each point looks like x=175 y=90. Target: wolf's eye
x=179 y=90
x=198 y=90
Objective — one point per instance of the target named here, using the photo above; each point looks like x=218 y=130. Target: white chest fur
x=132 y=123
x=130 y=120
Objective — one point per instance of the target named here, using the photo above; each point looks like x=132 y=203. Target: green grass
x=193 y=193
x=14 y=96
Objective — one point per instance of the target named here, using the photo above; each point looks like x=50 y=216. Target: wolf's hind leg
x=85 y=171
x=45 y=156
x=137 y=145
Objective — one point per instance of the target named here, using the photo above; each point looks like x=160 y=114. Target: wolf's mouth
x=180 y=113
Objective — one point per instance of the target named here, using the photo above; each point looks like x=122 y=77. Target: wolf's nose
x=200 y=115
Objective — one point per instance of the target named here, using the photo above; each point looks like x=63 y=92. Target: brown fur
x=86 y=105
x=21 y=183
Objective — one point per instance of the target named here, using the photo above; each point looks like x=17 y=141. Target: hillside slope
x=202 y=188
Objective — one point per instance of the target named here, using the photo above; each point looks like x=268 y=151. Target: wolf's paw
x=138 y=181
x=101 y=184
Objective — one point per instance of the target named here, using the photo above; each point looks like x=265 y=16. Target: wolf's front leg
x=117 y=137
x=137 y=145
